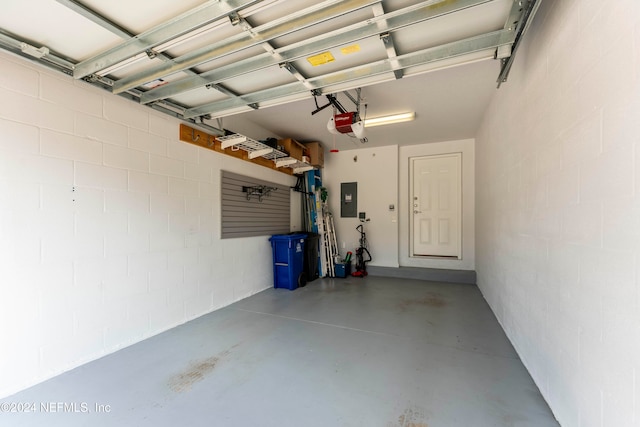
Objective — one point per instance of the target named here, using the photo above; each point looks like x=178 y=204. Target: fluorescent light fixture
x=387 y=120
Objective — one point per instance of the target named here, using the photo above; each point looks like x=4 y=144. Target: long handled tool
x=361 y=262
x=332 y=243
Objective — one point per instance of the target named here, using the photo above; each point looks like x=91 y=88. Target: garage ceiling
x=273 y=61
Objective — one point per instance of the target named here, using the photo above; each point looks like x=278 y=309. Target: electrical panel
x=349 y=200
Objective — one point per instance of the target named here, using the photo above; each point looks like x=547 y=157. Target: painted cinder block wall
x=382 y=174
x=558 y=209
x=375 y=171
x=109 y=225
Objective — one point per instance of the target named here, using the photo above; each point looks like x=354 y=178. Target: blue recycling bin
x=288 y=260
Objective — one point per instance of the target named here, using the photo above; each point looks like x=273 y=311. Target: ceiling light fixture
x=387 y=120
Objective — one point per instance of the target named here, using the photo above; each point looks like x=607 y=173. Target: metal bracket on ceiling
x=333 y=101
x=150 y=53
x=234 y=18
x=220 y=88
x=355 y=100
x=37 y=53
x=527 y=9
x=91 y=78
x=390 y=46
x=388 y=42
x=198 y=122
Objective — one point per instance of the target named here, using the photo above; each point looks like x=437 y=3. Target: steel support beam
x=529 y=10
x=372 y=27
x=64 y=65
x=387 y=39
x=486 y=42
x=305 y=18
x=510 y=25
x=51 y=59
x=96 y=18
x=228 y=92
x=268 y=47
x=109 y=25
x=189 y=21
x=122 y=32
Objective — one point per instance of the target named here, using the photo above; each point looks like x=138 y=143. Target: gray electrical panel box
x=349 y=200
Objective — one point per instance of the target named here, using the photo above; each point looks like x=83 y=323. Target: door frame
x=410 y=207
x=467 y=148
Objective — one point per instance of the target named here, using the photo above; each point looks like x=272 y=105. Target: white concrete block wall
x=376 y=172
x=383 y=179
x=558 y=209
x=109 y=226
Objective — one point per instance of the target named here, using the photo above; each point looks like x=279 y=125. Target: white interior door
x=436 y=202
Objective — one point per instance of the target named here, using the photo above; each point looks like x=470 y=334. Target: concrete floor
x=340 y=352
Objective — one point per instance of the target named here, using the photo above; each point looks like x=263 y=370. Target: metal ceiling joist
x=387 y=40
x=294 y=22
x=268 y=47
x=111 y=26
x=97 y=18
x=51 y=59
x=528 y=11
x=59 y=63
x=510 y=25
x=485 y=42
x=220 y=88
x=294 y=72
x=189 y=21
x=385 y=23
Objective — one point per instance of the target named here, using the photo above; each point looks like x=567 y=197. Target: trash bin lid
x=288 y=236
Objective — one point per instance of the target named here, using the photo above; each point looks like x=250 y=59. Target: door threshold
x=437 y=256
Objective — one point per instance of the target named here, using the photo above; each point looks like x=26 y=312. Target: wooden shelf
x=241 y=146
